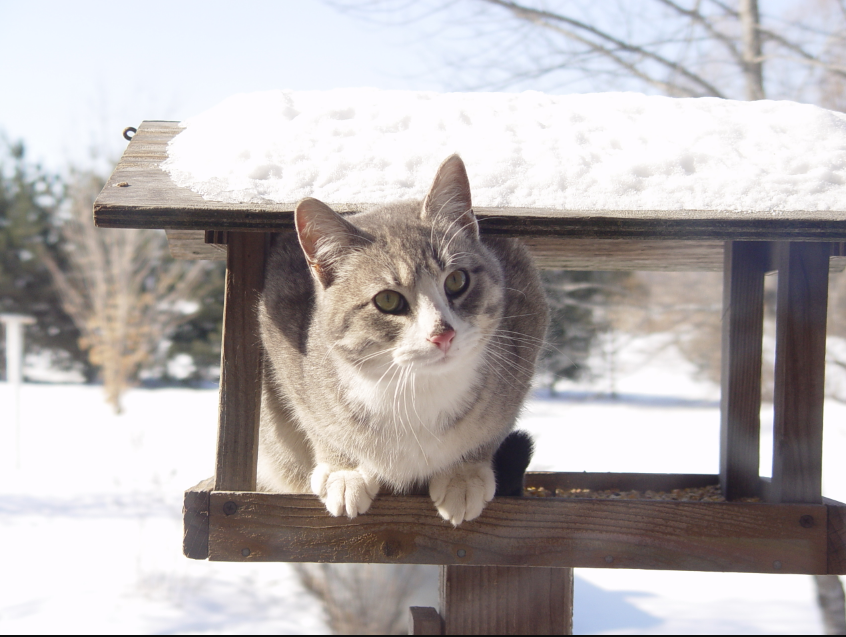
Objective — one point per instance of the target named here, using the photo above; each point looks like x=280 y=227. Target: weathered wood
x=647 y=534
x=189 y=245
x=240 y=366
x=836 y=538
x=621 y=481
x=506 y=600
x=195 y=520
x=799 y=372
x=424 y=620
x=742 y=344
x=151 y=200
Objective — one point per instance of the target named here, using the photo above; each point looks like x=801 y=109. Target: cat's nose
x=443 y=339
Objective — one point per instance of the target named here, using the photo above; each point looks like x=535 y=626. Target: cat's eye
x=456 y=283
x=389 y=302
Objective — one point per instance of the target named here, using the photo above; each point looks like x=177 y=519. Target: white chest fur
x=411 y=414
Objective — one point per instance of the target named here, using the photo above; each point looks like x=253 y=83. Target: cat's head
x=406 y=286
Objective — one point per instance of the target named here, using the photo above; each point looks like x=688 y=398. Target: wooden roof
x=140 y=194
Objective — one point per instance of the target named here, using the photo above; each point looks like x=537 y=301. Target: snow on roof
x=611 y=151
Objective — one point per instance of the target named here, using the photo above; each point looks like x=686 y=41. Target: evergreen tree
x=29 y=202
x=200 y=336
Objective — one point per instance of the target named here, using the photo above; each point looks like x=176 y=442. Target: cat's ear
x=449 y=197
x=325 y=236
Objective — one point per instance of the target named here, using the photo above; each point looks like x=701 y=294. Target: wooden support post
x=743 y=329
x=424 y=620
x=799 y=372
x=506 y=600
x=240 y=364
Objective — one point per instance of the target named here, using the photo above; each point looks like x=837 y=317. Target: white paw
x=346 y=492
x=462 y=493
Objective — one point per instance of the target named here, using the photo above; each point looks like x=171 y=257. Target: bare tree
x=122 y=289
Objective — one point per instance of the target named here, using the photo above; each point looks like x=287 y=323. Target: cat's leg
x=343 y=489
x=461 y=493
x=285 y=458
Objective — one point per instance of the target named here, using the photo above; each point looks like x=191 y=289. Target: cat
x=399 y=348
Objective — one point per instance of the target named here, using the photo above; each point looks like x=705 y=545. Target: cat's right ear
x=325 y=236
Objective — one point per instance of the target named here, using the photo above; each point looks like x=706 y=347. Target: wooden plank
x=555 y=253
x=571 y=253
x=506 y=600
x=646 y=534
x=189 y=245
x=195 y=520
x=149 y=199
x=742 y=344
x=799 y=372
x=552 y=480
x=424 y=620
x=836 y=538
x=240 y=366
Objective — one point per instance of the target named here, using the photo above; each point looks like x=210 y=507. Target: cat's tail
x=510 y=462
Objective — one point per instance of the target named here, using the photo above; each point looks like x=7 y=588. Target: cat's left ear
x=449 y=197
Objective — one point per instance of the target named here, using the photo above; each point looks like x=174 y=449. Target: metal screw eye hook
x=127 y=131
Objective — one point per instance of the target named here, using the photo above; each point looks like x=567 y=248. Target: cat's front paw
x=462 y=493
x=345 y=492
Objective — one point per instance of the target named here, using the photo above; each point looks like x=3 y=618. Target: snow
x=91 y=525
x=611 y=151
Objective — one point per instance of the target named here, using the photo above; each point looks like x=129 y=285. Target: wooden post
x=506 y=600
x=799 y=372
x=424 y=620
x=744 y=267
x=240 y=365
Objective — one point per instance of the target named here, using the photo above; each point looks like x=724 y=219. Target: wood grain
x=190 y=246
x=195 y=520
x=552 y=480
x=151 y=200
x=742 y=344
x=836 y=538
x=799 y=372
x=554 y=532
x=240 y=367
x=506 y=600
x=424 y=620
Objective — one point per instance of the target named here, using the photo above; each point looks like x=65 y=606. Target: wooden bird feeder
x=510 y=571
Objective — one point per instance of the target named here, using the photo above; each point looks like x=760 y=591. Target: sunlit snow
x=613 y=151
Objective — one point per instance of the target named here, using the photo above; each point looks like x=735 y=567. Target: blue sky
x=73 y=74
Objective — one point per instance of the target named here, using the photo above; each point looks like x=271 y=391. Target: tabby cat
x=400 y=346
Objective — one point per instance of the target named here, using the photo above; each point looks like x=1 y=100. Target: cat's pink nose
x=443 y=339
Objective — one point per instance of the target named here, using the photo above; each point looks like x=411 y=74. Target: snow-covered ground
x=90 y=526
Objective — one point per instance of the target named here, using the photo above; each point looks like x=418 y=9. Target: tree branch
x=542 y=18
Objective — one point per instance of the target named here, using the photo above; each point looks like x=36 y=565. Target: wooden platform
x=749 y=537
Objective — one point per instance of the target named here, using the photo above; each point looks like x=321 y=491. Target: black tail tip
x=511 y=461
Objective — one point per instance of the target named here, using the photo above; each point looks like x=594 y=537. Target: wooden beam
x=195 y=520
x=553 y=480
x=799 y=372
x=743 y=332
x=506 y=600
x=554 y=532
x=241 y=362
x=836 y=538
x=424 y=620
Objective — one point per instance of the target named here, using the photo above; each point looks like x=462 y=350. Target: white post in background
x=14 y=370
